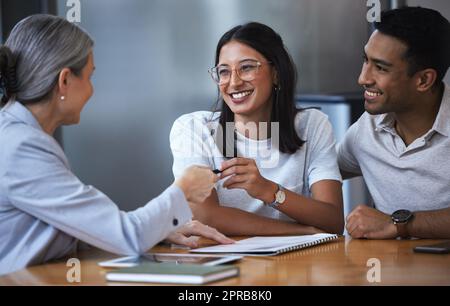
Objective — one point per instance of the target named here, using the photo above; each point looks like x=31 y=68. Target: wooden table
x=344 y=262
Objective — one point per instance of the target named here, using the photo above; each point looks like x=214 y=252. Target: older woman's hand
x=188 y=235
x=197 y=183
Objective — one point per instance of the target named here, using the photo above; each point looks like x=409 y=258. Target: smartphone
x=440 y=248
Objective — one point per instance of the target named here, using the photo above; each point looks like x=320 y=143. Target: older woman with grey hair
x=45 y=210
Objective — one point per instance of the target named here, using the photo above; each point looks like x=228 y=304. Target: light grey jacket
x=45 y=209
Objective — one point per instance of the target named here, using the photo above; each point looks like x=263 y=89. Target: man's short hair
x=426 y=33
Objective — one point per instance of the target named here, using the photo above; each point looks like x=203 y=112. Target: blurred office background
x=152 y=58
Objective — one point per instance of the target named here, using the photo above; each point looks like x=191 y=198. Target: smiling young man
x=401 y=145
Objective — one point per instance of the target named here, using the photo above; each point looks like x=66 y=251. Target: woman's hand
x=197 y=183
x=244 y=174
x=188 y=234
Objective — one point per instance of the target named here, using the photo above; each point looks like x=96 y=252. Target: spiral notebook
x=269 y=246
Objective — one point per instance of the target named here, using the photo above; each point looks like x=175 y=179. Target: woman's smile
x=240 y=97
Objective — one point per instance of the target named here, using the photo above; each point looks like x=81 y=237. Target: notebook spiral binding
x=307 y=245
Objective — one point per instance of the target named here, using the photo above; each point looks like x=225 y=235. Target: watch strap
x=402 y=229
x=275 y=204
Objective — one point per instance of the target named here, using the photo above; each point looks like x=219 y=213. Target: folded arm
x=430 y=224
x=369 y=223
x=236 y=222
x=324 y=210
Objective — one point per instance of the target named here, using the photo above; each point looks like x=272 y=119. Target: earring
x=277 y=93
x=63 y=98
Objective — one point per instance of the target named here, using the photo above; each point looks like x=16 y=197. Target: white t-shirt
x=192 y=143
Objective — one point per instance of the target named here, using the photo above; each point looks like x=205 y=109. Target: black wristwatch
x=401 y=219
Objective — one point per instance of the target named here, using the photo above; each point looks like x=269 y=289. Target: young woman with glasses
x=277 y=165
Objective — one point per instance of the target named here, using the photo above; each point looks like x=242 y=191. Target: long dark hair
x=267 y=42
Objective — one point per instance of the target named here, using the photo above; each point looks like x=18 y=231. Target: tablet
x=206 y=260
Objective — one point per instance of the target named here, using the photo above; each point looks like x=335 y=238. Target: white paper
x=268 y=244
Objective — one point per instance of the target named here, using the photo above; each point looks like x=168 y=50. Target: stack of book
x=173 y=273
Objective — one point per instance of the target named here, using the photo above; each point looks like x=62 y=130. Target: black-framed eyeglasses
x=246 y=70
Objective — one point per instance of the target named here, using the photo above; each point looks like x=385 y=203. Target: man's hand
x=369 y=223
x=188 y=234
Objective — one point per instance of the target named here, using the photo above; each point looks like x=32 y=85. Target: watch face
x=401 y=216
x=280 y=197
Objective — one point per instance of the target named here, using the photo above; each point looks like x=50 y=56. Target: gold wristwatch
x=280 y=198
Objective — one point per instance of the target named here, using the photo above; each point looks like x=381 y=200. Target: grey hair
x=42 y=46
